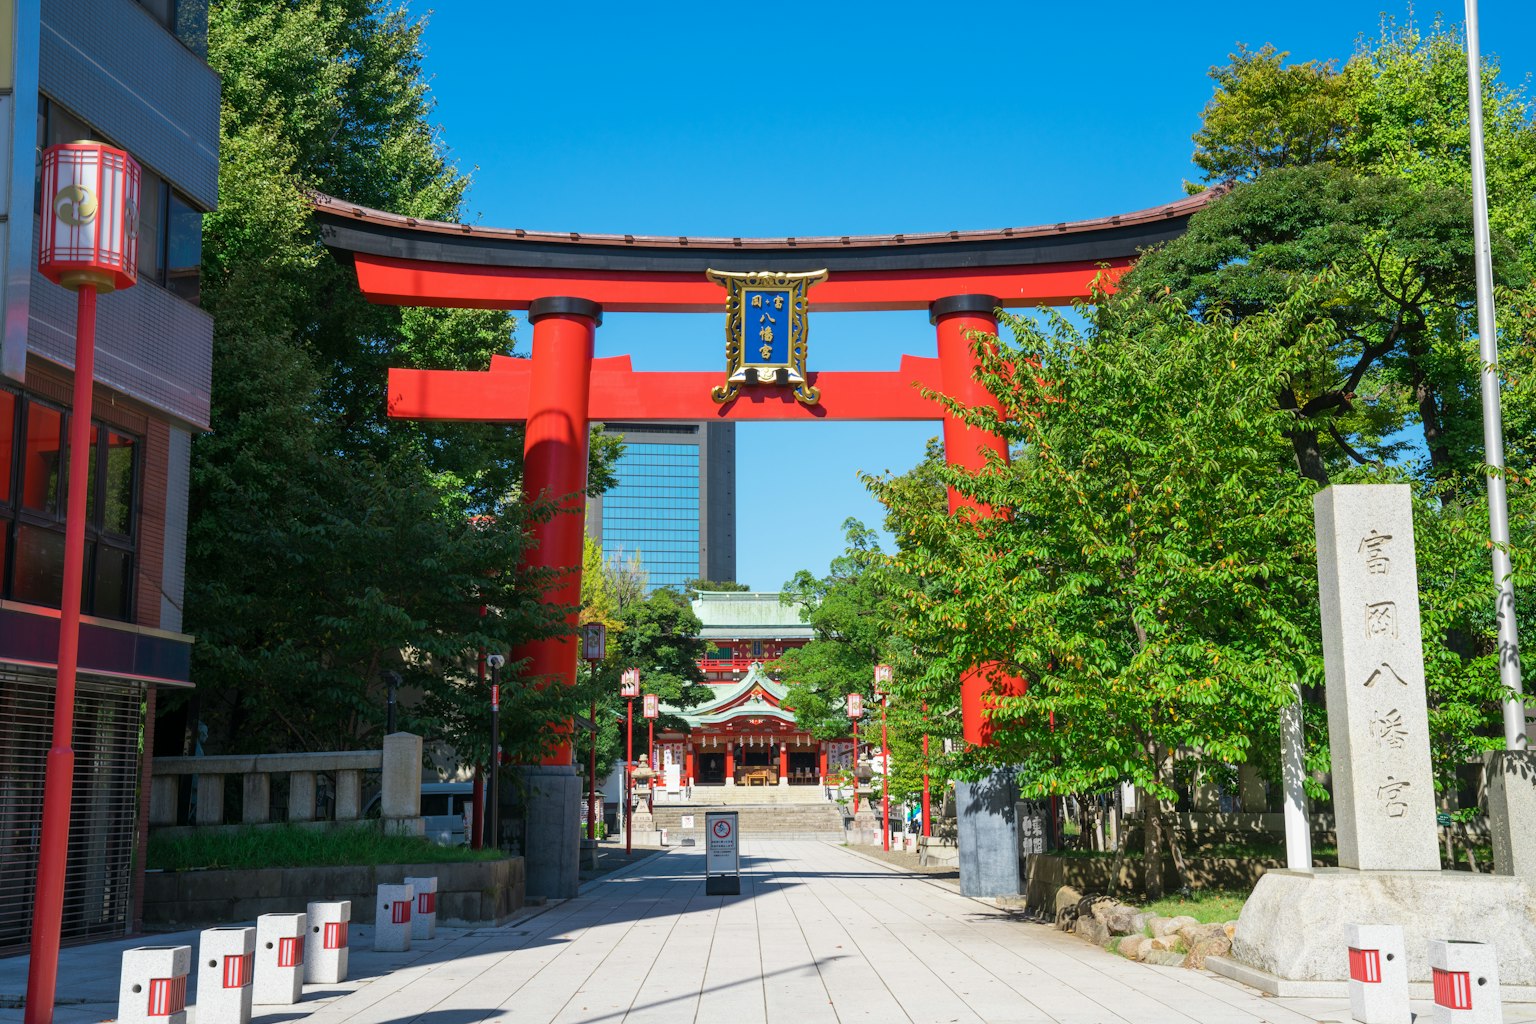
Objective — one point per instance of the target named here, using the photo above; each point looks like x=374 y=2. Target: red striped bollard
x=279 y=959
x=325 y=947
x=226 y=966
x=424 y=917
x=392 y=918
x=153 y=986
x=1378 y=975
x=1466 y=982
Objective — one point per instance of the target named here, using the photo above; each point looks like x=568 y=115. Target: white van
x=442 y=808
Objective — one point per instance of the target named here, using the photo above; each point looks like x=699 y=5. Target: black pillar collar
x=555 y=305
x=985 y=304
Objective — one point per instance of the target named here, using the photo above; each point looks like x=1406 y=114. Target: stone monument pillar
x=1378 y=721
x=1294 y=929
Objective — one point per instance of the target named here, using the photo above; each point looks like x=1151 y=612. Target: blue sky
x=737 y=119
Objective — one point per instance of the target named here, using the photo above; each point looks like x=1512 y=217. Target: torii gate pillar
x=988 y=836
x=555 y=469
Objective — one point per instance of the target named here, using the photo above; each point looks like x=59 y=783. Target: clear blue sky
x=840 y=118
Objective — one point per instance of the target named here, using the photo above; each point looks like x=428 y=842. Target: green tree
x=716 y=586
x=1150 y=572
x=328 y=544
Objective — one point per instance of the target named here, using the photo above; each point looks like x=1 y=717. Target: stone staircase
x=821 y=820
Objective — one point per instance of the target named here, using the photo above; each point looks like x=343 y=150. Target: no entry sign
x=722 y=854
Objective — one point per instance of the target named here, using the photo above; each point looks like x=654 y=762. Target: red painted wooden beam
x=500 y=395
x=408 y=282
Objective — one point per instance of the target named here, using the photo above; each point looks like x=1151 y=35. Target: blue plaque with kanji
x=765 y=331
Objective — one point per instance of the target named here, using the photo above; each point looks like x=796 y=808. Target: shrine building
x=744 y=735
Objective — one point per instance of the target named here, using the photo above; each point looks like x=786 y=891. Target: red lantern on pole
x=89 y=243
x=90 y=228
x=883 y=689
x=629 y=688
x=855 y=712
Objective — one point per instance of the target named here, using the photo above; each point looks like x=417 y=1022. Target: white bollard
x=392 y=918
x=1466 y=979
x=1378 y=975
x=424 y=917
x=226 y=963
x=153 y=985
x=279 y=959
x=325 y=946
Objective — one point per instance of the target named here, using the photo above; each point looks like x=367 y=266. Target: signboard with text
x=722 y=854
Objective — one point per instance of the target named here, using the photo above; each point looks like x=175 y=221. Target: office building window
x=187 y=20
x=653 y=511
x=33 y=506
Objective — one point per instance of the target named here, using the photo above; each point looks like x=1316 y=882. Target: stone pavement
x=819 y=933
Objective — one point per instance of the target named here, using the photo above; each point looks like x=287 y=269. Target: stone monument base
x=985 y=814
x=1292 y=935
x=552 y=840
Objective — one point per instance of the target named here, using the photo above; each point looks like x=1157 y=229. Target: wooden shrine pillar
x=988 y=830
x=823 y=748
x=784 y=762
x=730 y=763
x=555 y=468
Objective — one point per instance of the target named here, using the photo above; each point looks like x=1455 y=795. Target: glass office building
x=673 y=504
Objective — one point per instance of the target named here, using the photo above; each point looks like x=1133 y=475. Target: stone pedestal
x=989 y=835
x=1295 y=925
x=1512 y=811
x=551 y=845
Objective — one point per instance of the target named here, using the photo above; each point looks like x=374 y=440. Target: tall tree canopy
x=328 y=544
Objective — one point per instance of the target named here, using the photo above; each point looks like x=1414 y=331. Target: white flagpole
x=1493 y=419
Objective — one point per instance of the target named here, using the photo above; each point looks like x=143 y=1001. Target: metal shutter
x=109 y=718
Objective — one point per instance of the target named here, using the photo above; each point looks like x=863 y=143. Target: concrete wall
x=470 y=893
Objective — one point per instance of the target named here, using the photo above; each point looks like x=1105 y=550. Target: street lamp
x=883 y=689
x=594 y=647
x=855 y=710
x=629 y=687
x=650 y=746
x=88 y=243
x=495 y=661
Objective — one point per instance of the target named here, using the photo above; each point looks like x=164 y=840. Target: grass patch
x=1207 y=906
x=288 y=846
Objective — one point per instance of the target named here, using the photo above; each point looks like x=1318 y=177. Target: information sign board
x=722 y=854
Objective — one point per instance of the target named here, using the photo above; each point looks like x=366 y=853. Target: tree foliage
x=327 y=543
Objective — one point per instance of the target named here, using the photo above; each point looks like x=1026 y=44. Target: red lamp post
x=594 y=647
x=629 y=686
x=89 y=243
x=650 y=711
x=883 y=689
x=927 y=826
x=855 y=710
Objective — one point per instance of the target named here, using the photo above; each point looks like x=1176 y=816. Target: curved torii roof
x=409 y=261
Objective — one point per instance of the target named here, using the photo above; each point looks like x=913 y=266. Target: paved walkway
x=819 y=934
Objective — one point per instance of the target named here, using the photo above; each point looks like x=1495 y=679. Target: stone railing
x=398 y=765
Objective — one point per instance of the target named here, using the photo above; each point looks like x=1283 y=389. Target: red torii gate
x=565 y=281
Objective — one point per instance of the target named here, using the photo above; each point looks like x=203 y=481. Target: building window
x=32 y=504
x=170 y=227
x=187 y=20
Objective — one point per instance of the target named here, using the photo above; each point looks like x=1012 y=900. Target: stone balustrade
x=398 y=765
